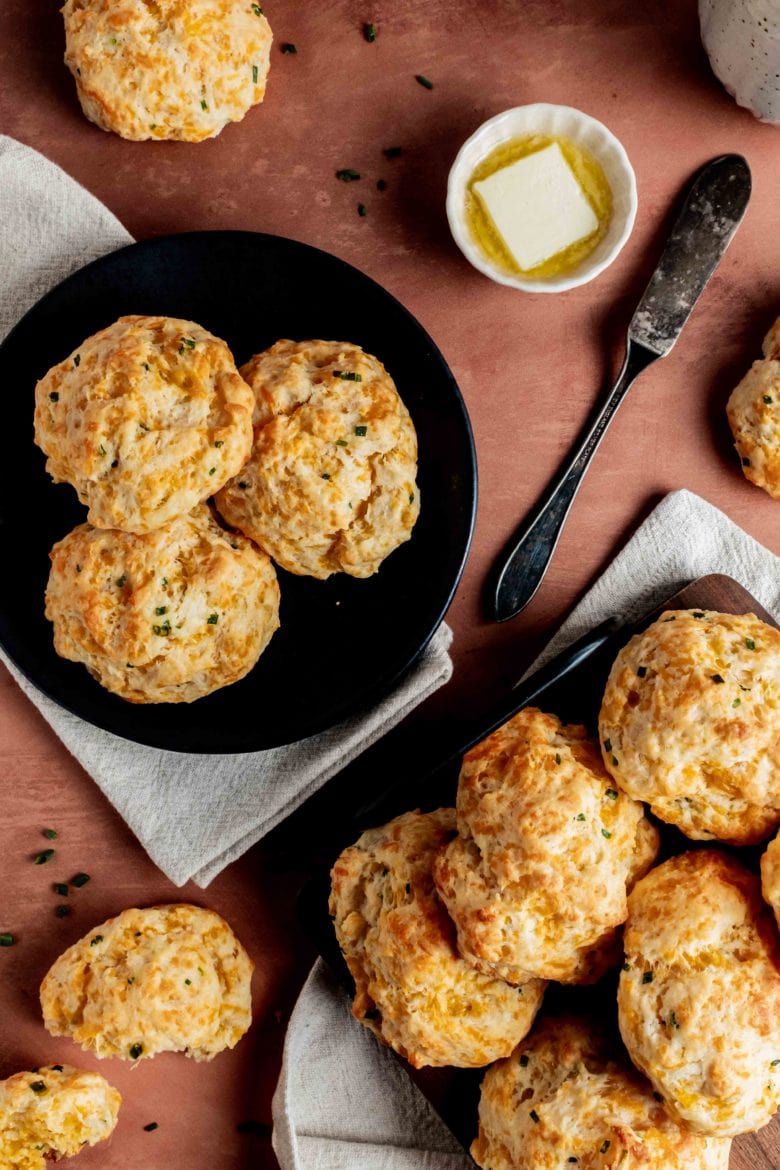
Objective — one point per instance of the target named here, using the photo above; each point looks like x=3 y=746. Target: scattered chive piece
x=605 y=1146
x=381 y=185
x=557 y=757
x=750 y=644
x=698 y=614
x=50 y=834
x=611 y=793
x=62 y=911
x=257 y=10
x=348 y=376
x=325 y=475
x=774 y=1063
x=38 y=1087
x=362 y=210
x=114 y=41
x=78 y=568
x=42 y=858
x=135 y=1051
x=54 y=396
x=647 y=977
x=61 y=889
x=77 y=360
x=7 y=940
x=606 y=833
x=641 y=671
x=162 y=631
x=424 y=81
x=57 y=1068
x=187 y=982
x=121 y=580
x=201 y=971
x=369 y=32
x=152 y=125
x=745 y=461
x=131 y=978
x=161 y=609
x=153 y=1124
x=243 y=485
x=534 y=1116
x=203 y=104
x=626 y=966
x=361 y=431
x=212 y=470
x=93 y=942
x=580 y=817
x=671 y=619
x=673 y=1020
x=212 y=619
x=718 y=678
x=79 y=880
x=736 y=703
x=348 y=175
x=288 y=47
x=607 y=745
x=393 y=151
x=103 y=450
x=524 y=1060
x=768 y=399
x=342 y=443
x=411 y=497
x=219 y=442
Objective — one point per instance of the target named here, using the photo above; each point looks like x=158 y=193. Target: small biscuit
x=567 y=1097
x=536 y=879
x=164 y=618
x=699 y=994
x=690 y=723
x=146 y=419
x=754 y=417
x=52 y=1113
x=330 y=486
x=166 y=979
x=412 y=989
x=770 y=876
x=162 y=69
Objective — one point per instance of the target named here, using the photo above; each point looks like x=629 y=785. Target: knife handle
x=524 y=562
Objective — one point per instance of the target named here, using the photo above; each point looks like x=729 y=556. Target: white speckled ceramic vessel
x=742 y=39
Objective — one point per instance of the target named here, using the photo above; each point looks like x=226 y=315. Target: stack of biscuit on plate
x=547 y=871
x=309 y=452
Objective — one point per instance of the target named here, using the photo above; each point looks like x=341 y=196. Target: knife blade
x=711 y=213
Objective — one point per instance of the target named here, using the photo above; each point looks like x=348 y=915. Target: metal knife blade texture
x=709 y=218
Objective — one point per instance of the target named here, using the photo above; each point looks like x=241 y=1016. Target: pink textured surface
x=529 y=367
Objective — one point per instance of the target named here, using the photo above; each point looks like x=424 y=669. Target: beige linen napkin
x=192 y=813
x=342 y=1101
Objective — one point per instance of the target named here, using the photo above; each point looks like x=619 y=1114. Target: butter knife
x=713 y=209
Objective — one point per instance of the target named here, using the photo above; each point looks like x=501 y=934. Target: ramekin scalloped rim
x=564 y=122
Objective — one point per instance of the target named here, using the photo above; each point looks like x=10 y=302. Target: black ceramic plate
x=342 y=642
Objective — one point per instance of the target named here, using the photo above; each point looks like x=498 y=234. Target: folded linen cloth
x=192 y=813
x=342 y=1101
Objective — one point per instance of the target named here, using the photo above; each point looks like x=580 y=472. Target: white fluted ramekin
x=556 y=121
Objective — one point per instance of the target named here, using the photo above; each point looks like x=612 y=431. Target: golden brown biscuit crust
x=412 y=989
x=163 y=618
x=690 y=723
x=565 y=1096
x=53 y=1113
x=754 y=417
x=330 y=486
x=146 y=419
x=162 y=69
x=165 y=979
x=536 y=879
x=699 y=995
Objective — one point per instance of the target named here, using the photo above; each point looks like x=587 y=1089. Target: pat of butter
x=537 y=206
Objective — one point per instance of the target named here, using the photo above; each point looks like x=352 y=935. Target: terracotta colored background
x=529 y=367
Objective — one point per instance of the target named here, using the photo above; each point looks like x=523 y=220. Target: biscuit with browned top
x=547 y=846
x=157 y=69
x=165 y=979
x=145 y=419
x=163 y=618
x=699 y=995
x=690 y=723
x=330 y=486
x=566 y=1096
x=412 y=989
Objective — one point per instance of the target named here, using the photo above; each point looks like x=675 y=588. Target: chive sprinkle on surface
x=605 y=1146
x=606 y=833
x=54 y=396
x=348 y=175
x=348 y=376
x=93 y=942
x=393 y=151
x=647 y=977
x=611 y=793
x=61 y=889
x=768 y=399
x=38 y=1087
x=121 y=580
x=203 y=104
x=424 y=81
x=135 y=1051
x=750 y=644
x=257 y=10
x=381 y=184
x=6 y=939
x=254 y=74
x=151 y=1127
x=61 y=911
x=79 y=880
x=77 y=360
x=289 y=47
x=534 y=1116
x=43 y=857
x=212 y=619
x=362 y=210
x=50 y=834
x=369 y=32
x=361 y=431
